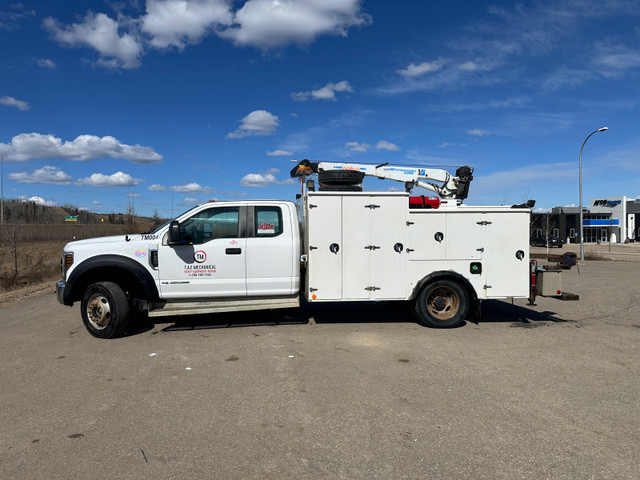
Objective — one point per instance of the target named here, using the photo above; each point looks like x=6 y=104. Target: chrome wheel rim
x=98 y=311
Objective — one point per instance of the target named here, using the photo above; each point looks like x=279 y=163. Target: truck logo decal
x=149 y=237
x=141 y=253
x=199 y=270
x=200 y=256
x=266 y=229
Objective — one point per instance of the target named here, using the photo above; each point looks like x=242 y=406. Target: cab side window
x=210 y=224
x=268 y=222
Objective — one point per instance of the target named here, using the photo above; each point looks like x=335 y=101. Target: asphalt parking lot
x=544 y=392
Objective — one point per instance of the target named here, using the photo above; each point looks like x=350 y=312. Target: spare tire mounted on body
x=340 y=180
x=340 y=177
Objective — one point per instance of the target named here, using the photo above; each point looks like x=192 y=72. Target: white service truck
x=337 y=244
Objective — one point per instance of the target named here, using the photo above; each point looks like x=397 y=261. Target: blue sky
x=167 y=103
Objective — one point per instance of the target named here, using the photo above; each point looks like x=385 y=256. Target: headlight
x=67 y=261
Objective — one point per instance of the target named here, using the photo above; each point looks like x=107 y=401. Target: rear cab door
x=273 y=249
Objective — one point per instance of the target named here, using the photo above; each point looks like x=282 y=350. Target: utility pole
x=2 y=191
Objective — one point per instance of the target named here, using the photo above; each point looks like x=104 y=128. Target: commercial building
x=614 y=219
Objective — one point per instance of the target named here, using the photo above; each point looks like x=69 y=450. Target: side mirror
x=174 y=233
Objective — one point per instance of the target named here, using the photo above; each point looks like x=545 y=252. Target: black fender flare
x=449 y=275
x=114 y=263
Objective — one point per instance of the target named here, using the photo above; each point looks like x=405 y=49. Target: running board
x=178 y=307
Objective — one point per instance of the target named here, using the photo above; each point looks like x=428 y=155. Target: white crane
x=336 y=173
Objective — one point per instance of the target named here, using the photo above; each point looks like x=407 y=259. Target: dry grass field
x=30 y=253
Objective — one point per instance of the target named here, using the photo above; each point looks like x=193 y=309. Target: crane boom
x=447 y=186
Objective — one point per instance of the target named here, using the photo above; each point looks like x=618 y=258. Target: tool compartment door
x=374 y=237
x=356 y=271
x=323 y=229
x=507 y=275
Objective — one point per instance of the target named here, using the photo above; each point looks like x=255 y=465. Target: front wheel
x=105 y=310
x=442 y=304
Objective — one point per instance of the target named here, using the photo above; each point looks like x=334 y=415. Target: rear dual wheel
x=442 y=304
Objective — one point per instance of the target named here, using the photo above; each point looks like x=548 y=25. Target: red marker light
x=559 y=292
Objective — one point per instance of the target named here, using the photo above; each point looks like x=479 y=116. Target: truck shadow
x=498 y=311
x=493 y=311
x=319 y=314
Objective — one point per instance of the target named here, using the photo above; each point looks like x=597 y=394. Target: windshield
x=178 y=216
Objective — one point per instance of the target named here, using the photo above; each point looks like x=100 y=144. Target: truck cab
x=243 y=251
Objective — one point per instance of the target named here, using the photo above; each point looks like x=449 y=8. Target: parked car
x=542 y=242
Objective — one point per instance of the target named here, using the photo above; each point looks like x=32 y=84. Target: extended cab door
x=210 y=260
x=273 y=251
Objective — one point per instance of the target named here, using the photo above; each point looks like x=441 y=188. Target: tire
x=105 y=310
x=340 y=188
x=340 y=177
x=442 y=304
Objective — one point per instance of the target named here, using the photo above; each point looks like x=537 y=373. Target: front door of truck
x=210 y=260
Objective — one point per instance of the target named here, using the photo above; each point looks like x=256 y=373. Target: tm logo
x=200 y=256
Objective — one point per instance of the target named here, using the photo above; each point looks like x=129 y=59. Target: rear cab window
x=268 y=222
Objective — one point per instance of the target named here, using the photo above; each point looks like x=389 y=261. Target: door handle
x=233 y=251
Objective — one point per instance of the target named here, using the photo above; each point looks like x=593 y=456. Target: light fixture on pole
x=601 y=129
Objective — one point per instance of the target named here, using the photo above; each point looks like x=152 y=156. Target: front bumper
x=60 y=286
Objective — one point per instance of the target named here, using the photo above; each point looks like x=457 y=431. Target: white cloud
x=258 y=122
x=268 y=24
x=264 y=179
x=328 y=92
x=191 y=188
x=45 y=63
x=101 y=33
x=469 y=67
x=384 y=145
x=46 y=175
x=157 y=188
x=118 y=179
x=279 y=153
x=38 y=201
x=10 y=19
x=29 y=146
x=263 y=24
x=14 y=102
x=176 y=23
x=357 y=147
x=522 y=178
x=420 y=69
x=476 y=132
x=614 y=60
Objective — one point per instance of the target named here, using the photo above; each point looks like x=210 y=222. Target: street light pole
x=601 y=129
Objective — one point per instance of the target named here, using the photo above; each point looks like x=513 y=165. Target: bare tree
x=11 y=235
x=548 y=225
x=156 y=221
x=131 y=213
